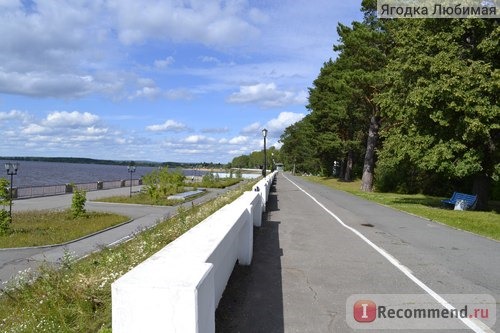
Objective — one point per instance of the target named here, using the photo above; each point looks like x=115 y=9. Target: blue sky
x=159 y=80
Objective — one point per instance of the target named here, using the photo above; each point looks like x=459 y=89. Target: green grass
x=481 y=223
x=143 y=199
x=35 y=228
x=77 y=298
x=217 y=183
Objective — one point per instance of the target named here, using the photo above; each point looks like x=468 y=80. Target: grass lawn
x=481 y=223
x=144 y=199
x=36 y=228
x=77 y=297
x=217 y=183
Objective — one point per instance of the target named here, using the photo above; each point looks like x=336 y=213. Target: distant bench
x=469 y=199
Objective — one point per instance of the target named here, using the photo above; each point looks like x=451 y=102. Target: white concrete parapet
x=263 y=187
x=179 y=287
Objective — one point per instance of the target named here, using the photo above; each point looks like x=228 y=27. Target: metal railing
x=39 y=191
x=26 y=192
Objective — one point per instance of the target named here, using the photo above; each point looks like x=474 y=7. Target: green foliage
x=404 y=178
x=256 y=158
x=430 y=87
x=441 y=101
x=161 y=183
x=4 y=222
x=4 y=200
x=4 y=192
x=299 y=148
x=212 y=180
x=78 y=203
x=242 y=161
x=209 y=179
x=67 y=259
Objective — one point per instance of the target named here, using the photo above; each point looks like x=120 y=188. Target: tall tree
x=342 y=99
x=363 y=56
x=336 y=118
x=443 y=99
x=299 y=149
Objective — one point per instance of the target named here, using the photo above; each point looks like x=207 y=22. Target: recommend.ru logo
x=420 y=311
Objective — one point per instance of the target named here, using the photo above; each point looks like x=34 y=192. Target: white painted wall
x=179 y=287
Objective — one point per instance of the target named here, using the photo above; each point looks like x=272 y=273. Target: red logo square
x=365 y=311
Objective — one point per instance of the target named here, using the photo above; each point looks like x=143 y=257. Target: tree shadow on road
x=253 y=298
x=428 y=201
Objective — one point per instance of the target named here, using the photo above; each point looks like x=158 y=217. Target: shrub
x=4 y=200
x=4 y=222
x=78 y=203
x=162 y=183
x=208 y=180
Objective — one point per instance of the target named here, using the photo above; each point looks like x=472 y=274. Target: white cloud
x=93 y=130
x=198 y=139
x=208 y=59
x=274 y=126
x=14 y=115
x=167 y=126
x=70 y=119
x=277 y=125
x=59 y=130
x=147 y=92
x=258 y=16
x=34 y=129
x=115 y=56
x=148 y=89
x=178 y=94
x=216 y=130
x=238 y=140
x=252 y=129
x=41 y=84
x=146 y=82
x=208 y=22
x=267 y=95
x=164 y=63
x=48 y=47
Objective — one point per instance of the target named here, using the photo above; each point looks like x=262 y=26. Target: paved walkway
x=307 y=262
x=13 y=261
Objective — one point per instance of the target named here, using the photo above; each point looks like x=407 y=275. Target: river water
x=32 y=173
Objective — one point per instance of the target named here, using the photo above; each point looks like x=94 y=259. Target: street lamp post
x=11 y=169
x=264 y=134
x=131 y=170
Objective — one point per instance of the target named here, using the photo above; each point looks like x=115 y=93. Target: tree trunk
x=348 y=167
x=369 y=163
x=342 y=170
x=481 y=188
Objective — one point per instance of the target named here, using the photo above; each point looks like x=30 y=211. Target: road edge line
x=395 y=262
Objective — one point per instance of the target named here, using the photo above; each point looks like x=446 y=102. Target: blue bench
x=470 y=200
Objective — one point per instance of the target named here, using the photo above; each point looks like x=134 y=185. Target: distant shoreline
x=83 y=160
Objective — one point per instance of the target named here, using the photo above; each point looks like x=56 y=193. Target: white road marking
x=405 y=270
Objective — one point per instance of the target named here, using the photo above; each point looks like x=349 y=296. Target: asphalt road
x=319 y=246
x=13 y=261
